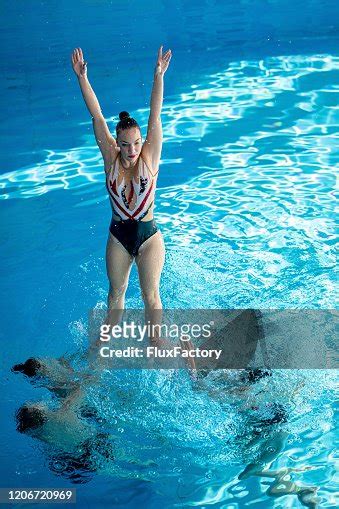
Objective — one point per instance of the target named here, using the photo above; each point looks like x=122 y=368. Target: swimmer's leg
x=118 y=265
x=271 y=448
x=281 y=486
x=150 y=261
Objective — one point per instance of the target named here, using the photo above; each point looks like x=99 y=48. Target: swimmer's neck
x=126 y=164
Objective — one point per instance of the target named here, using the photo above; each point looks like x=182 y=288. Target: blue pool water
x=246 y=205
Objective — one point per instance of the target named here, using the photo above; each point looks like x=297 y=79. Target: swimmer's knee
x=151 y=298
x=117 y=292
x=116 y=297
x=29 y=418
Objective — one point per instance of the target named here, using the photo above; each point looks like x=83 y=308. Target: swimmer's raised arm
x=104 y=138
x=153 y=143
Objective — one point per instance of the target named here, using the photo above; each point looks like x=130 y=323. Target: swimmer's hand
x=78 y=63
x=162 y=62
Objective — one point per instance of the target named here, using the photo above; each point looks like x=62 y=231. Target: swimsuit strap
x=114 y=173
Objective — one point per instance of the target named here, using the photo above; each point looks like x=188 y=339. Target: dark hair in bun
x=28 y=418
x=123 y=114
x=125 y=122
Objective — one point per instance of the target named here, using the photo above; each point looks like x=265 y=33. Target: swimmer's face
x=130 y=143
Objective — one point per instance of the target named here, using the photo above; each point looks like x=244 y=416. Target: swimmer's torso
x=132 y=190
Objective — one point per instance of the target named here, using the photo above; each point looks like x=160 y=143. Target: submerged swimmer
x=131 y=167
x=57 y=375
x=75 y=447
x=270 y=441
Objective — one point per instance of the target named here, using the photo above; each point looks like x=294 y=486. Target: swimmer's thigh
x=118 y=264
x=150 y=261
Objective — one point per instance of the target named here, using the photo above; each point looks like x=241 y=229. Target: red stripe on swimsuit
x=143 y=190
x=114 y=188
x=142 y=204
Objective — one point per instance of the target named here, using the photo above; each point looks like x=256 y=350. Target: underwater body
x=245 y=202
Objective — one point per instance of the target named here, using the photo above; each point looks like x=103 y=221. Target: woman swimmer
x=131 y=168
